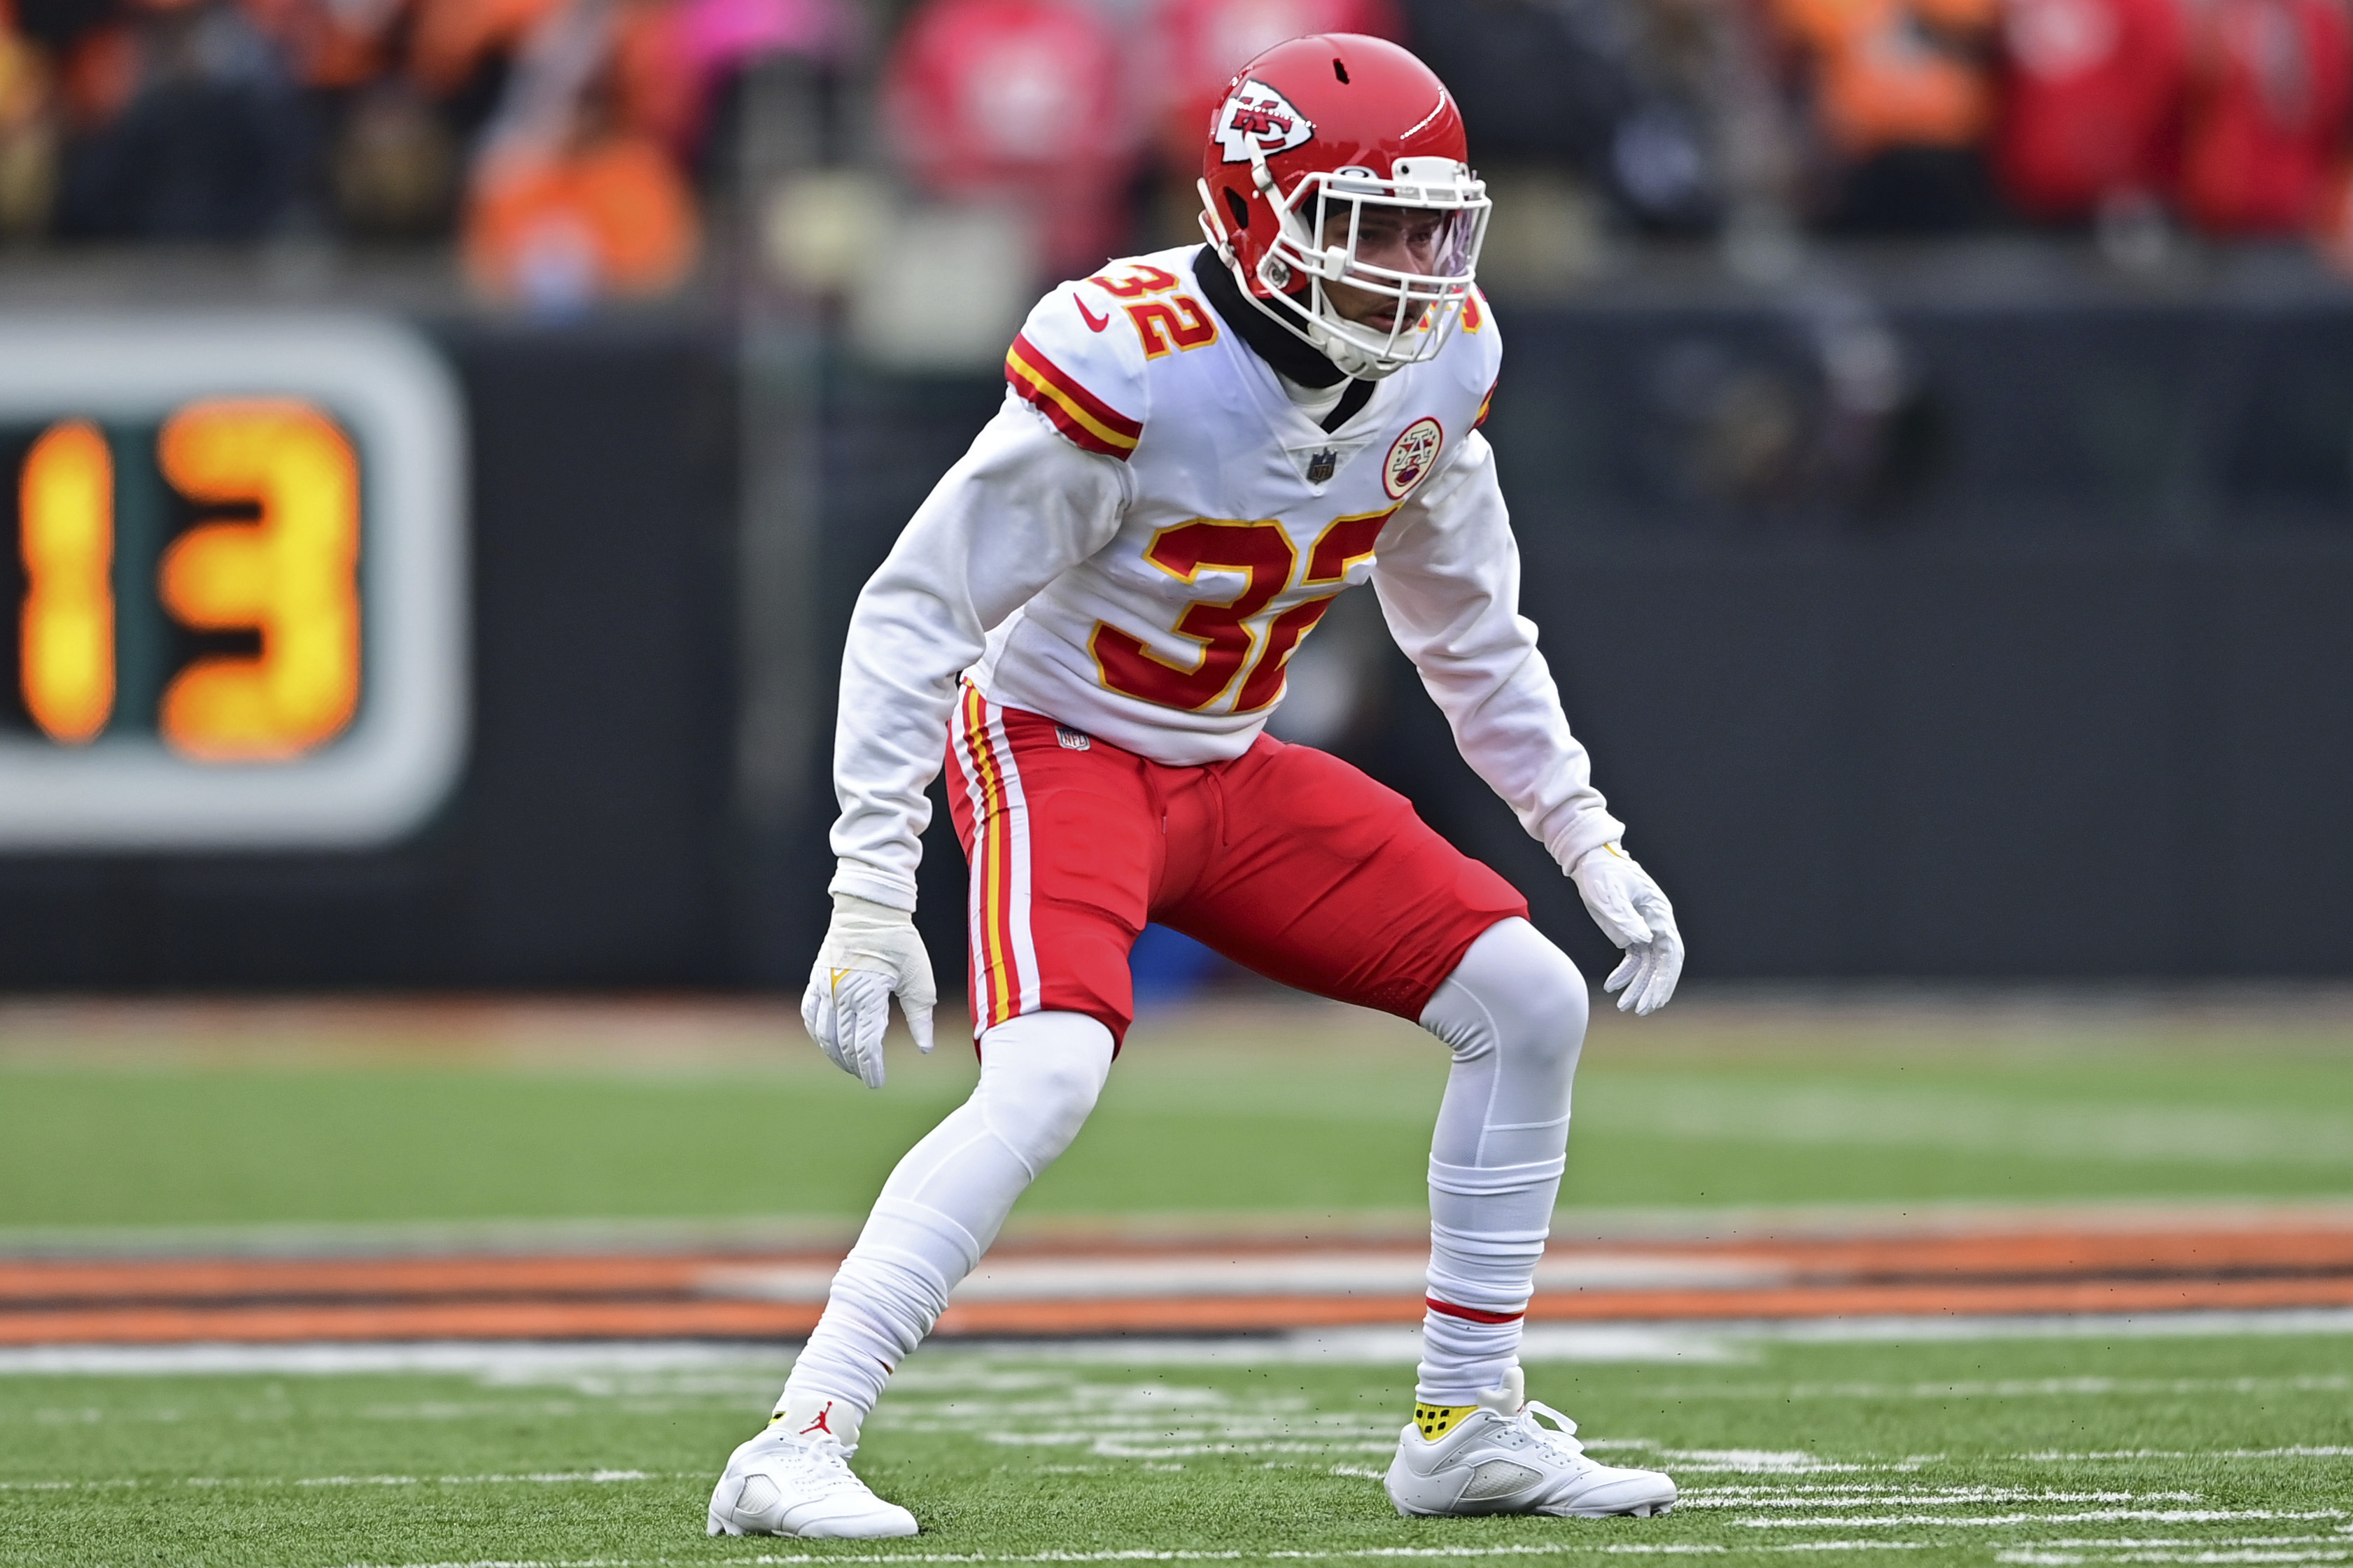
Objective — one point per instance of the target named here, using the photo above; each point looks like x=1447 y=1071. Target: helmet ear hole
x=1339 y=70
x=1239 y=207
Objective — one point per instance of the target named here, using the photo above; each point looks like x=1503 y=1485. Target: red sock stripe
x=1469 y=1314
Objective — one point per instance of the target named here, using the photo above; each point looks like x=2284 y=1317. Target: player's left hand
x=872 y=953
x=1632 y=912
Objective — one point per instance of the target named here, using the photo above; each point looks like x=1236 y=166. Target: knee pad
x=1514 y=1012
x=1040 y=1075
x=1515 y=993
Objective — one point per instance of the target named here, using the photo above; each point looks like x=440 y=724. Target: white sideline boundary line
x=1598 y=1341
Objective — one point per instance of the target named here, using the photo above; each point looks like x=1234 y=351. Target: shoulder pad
x=1087 y=380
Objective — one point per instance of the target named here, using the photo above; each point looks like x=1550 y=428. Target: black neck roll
x=1268 y=339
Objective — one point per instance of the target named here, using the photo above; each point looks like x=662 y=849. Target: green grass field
x=2218 y=1448
x=1303 y=1110
x=2198 y=1450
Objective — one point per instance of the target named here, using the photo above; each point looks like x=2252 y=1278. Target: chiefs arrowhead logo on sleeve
x=1256 y=113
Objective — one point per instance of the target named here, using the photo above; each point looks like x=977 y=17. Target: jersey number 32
x=1263 y=553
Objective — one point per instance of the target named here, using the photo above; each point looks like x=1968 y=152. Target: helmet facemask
x=1319 y=227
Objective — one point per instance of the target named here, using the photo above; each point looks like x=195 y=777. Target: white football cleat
x=783 y=1483
x=1499 y=1460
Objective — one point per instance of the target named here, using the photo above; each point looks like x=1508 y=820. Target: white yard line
x=2015 y=1388
x=1957 y=1497
x=2043 y=1556
x=1949 y=1327
x=2301 y=1451
x=1766 y=1462
x=544 y=1478
x=1959 y=1494
x=2088 y=1516
x=2137 y=1542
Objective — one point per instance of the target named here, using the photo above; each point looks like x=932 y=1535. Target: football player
x=1199 y=449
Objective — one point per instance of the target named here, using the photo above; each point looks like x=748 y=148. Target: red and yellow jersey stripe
x=1077 y=413
x=995 y=980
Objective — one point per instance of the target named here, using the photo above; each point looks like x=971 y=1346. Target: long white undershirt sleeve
x=1018 y=507
x=1449 y=579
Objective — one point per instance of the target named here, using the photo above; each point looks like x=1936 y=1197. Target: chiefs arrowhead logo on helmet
x=1255 y=115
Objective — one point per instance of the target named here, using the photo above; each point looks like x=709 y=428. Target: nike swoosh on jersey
x=1088 y=316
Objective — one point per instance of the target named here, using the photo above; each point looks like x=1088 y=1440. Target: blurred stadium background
x=1932 y=447
x=1929 y=428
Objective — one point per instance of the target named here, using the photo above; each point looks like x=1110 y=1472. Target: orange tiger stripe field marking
x=2316 y=1252
x=528 y=1318
x=412 y=1320
x=2281 y=1265
x=1261 y=1314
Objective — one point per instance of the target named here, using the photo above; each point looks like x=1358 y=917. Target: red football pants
x=1286 y=860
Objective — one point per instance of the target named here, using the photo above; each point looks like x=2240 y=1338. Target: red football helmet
x=1308 y=137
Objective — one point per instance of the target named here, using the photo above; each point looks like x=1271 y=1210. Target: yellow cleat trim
x=1435 y=1421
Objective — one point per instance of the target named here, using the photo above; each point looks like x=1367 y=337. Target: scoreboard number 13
x=290 y=575
x=241 y=611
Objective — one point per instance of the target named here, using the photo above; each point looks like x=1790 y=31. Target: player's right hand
x=1634 y=912
x=872 y=953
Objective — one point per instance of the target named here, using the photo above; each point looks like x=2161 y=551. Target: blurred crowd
x=565 y=145
x=574 y=149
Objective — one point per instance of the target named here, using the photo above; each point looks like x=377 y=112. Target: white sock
x=811 y=1415
x=1514 y=1011
x=1039 y=1075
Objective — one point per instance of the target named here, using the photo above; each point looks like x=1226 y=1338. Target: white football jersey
x=1247 y=518
x=1138 y=543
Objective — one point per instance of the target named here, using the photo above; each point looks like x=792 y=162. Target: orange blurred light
x=292 y=576
x=66 y=648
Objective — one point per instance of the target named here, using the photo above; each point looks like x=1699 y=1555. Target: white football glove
x=870 y=953
x=1632 y=912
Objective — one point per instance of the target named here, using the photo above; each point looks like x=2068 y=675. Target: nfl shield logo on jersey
x=1255 y=112
x=1071 y=740
x=1411 y=456
x=1319 y=466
